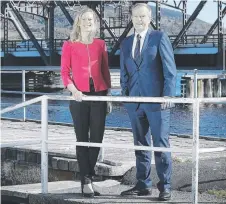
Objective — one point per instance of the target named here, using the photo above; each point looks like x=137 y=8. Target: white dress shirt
x=143 y=35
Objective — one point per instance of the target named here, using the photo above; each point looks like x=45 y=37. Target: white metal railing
x=44 y=127
x=23 y=70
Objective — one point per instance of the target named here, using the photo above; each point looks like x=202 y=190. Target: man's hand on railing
x=76 y=94
x=167 y=105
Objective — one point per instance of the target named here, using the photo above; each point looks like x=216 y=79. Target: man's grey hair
x=141 y=5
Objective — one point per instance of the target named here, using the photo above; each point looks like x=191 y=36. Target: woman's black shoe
x=87 y=188
x=96 y=193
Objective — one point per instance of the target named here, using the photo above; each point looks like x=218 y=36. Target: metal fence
x=195 y=150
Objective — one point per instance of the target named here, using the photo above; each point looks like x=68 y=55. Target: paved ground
x=212 y=174
x=20 y=131
x=65 y=192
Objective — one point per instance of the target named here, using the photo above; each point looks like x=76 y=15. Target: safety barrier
x=44 y=128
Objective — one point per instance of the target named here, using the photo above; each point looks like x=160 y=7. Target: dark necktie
x=137 y=56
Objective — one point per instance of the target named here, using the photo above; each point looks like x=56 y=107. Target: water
x=212 y=117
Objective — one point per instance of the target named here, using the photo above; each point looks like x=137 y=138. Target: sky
x=208 y=13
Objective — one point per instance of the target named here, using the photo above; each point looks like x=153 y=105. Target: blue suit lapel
x=145 y=46
x=130 y=43
x=146 y=41
x=130 y=48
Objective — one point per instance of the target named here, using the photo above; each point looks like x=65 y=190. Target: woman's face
x=87 y=22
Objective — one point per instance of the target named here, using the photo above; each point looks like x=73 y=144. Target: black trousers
x=89 y=123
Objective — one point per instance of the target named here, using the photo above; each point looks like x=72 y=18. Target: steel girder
x=213 y=27
x=30 y=34
x=111 y=32
x=65 y=12
x=184 y=17
x=124 y=34
x=6 y=27
x=51 y=31
x=220 y=26
x=189 y=23
x=37 y=8
x=158 y=15
x=102 y=27
x=9 y=19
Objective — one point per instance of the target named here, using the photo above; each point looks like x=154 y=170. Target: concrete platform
x=69 y=192
x=119 y=165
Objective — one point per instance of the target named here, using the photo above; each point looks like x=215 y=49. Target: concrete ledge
x=106 y=168
x=25 y=190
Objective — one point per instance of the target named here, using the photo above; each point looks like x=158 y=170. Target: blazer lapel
x=145 y=45
x=146 y=41
x=130 y=48
x=130 y=45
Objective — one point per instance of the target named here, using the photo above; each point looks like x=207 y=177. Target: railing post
x=44 y=151
x=24 y=95
x=195 y=144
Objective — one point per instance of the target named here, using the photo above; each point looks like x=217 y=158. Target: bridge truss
x=113 y=29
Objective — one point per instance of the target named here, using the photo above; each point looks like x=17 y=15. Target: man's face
x=140 y=18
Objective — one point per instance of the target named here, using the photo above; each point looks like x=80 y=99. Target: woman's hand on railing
x=76 y=94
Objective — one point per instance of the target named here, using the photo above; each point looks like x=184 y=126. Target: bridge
x=206 y=48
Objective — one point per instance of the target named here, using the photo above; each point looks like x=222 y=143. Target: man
x=148 y=69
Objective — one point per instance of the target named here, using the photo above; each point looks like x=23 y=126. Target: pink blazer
x=79 y=62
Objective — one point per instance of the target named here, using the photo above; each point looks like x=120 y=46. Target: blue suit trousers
x=144 y=124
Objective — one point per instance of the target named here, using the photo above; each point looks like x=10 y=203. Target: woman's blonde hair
x=76 y=30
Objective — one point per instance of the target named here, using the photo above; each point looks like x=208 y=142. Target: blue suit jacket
x=155 y=76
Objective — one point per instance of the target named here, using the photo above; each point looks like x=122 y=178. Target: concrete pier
x=207 y=86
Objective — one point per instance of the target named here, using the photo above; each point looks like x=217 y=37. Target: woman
x=85 y=57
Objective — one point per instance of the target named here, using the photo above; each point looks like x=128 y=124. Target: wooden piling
x=219 y=91
x=200 y=88
x=208 y=92
x=223 y=87
x=189 y=88
x=215 y=87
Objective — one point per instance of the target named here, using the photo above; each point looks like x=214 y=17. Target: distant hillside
x=171 y=22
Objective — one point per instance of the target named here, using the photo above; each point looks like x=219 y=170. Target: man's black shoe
x=136 y=192
x=165 y=195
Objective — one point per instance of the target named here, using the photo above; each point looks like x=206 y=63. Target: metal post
x=223 y=44
x=195 y=143
x=220 y=32
x=185 y=19
x=102 y=20
x=195 y=152
x=44 y=151
x=24 y=90
x=6 y=28
x=158 y=15
x=195 y=83
x=51 y=31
